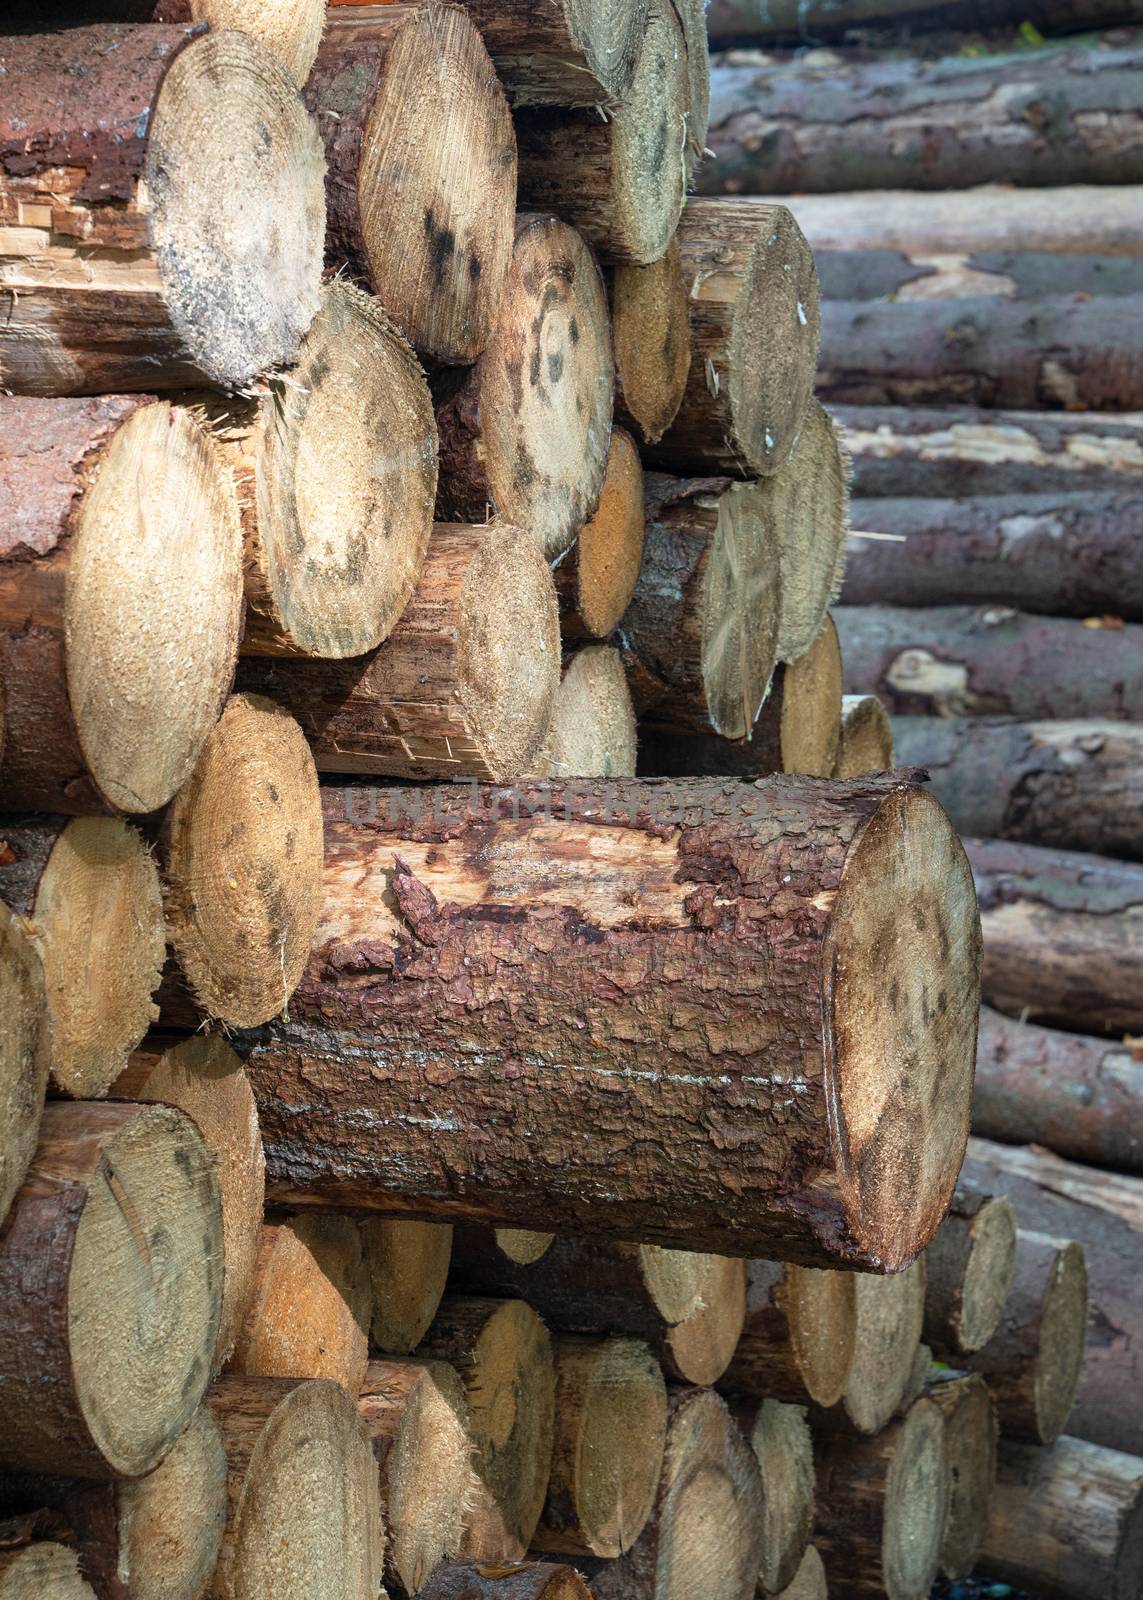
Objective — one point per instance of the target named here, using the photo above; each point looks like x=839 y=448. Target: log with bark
x=526 y=430
x=687 y=1305
x=592 y=732
x=865 y=738
x=1066 y=785
x=87 y=894
x=1061 y=115
x=705 y=1533
x=407 y=1264
x=970 y=1445
x=417 y=1418
x=752 y=293
x=969 y=1270
x=780 y=1438
x=111 y=1280
x=799 y=1337
x=596 y=579
x=850 y=1097
x=421 y=186
x=163 y=210
x=797 y=20
x=303 y=1499
x=1027 y=275
x=1081 y=1097
x=120 y=600
x=1068 y=1521
x=31 y=1568
x=651 y=331
x=25 y=1051
x=243 y=864
x=463 y=687
x=505 y=1580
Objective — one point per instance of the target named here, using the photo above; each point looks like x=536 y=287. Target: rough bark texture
x=25 y=1052
x=970 y=1444
x=1081 y=1097
x=795 y=20
x=435 y=894
x=1056 y=116
x=799 y=1337
x=505 y=1580
x=1068 y=785
x=969 y=1268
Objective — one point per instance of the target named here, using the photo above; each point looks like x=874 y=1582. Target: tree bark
x=651 y=330
x=1080 y=1097
x=957 y=275
x=421 y=188
x=1068 y=1521
x=25 y=1050
x=120 y=600
x=755 y=327
x=111 y=1279
x=796 y=21
x=408 y=1266
x=865 y=738
x=596 y=579
x=970 y=1445
x=955 y=661
x=141 y=143
x=410 y=895
x=780 y=1438
x=1065 y=785
x=1064 y=115
x=592 y=732
x=463 y=687
x=800 y=1335
x=527 y=1580
x=969 y=1268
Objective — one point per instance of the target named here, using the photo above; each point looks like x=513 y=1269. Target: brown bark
x=970 y=1445
x=421 y=882
x=596 y=579
x=651 y=330
x=780 y=1438
x=120 y=600
x=465 y=683
x=865 y=737
x=110 y=1289
x=1062 y=940
x=1067 y=785
x=592 y=732
x=969 y=1266
x=505 y=1580
x=795 y=20
x=187 y=169
x=1062 y=115
x=1068 y=1521
x=1081 y=1097
x=752 y=293
x=800 y=1335
x=421 y=187
x=25 y=1051
x=408 y=1265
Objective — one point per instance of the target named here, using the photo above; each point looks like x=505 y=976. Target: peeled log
x=463 y=687
x=592 y=734
x=970 y=1445
x=780 y=1438
x=797 y=20
x=163 y=202
x=800 y=1335
x=865 y=742
x=421 y=186
x=754 y=333
x=525 y=431
x=407 y=1264
x=120 y=600
x=111 y=1280
x=815 y=994
x=1081 y=1097
x=25 y=1052
x=528 y=1580
x=1068 y=1521
x=87 y=894
x=969 y=1268
x=1071 y=785
x=651 y=331
x=597 y=577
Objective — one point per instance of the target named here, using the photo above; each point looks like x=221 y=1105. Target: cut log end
x=821 y=1311
x=890 y=1313
x=710 y=1527
x=866 y=743
x=739 y=614
x=809 y=1582
x=916 y=1501
x=649 y=143
x=593 y=722
x=523 y=1245
x=980 y=1252
x=807 y=500
x=610 y=34
x=810 y=730
x=970 y=1445
x=1063 y=1325
x=603 y=566
x=651 y=332
x=42 y=1571
x=244 y=863
x=408 y=1269
x=171 y=1522
x=290 y=29
x=783 y=1447
x=699 y=1346
x=25 y=1053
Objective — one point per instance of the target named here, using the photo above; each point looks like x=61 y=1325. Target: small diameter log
x=882 y=1504
x=592 y=734
x=1081 y=1097
x=303 y=1503
x=705 y=1533
x=889 y=1315
x=417 y=1418
x=463 y=687
x=243 y=860
x=619 y=177
x=970 y=1446
x=807 y=501
x=866 y=741
x=407 y=1263
x=800 y=1335
x=111 y=1280
x=650 y=327
x=798 y=21
x=596 y=579
x=120 y=600
x=505 y=1580
x=308 y=1312
x=25 y=1051
x=1073 y=785
x=1032 y=1362
x=969 y=1268
x=421 y=187
x=164 y=206
x=848 y=1002
x=754 y=330
x=688 y=1306
x=809 y=1582
x=204 y=1078
x=1068 y=1521
x=42 y=1570
x=1063 y=936
x=523 y=1245
x=504 y=1356
x=780 y=1438
x=87 y=893
x=607 y=1453
x=525 y=431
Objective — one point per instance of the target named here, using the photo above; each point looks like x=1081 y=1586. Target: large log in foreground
x=838 y=1043
x=189 y=173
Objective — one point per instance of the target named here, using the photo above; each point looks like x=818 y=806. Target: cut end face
x=508 y=649
x=609 y=549
x=902 y=981
x=145 y=1288
x=25 y=1053
x=811 y=707
x=970 y=1445
x=988 y=1274
x=593 y=721
x=821 y=1309
x=408 y=1268
x=44 y=1571
x=809 y=1582
x=916 y=1500
x=523 y=1245
x=711 y=1514
x=290 y=29
x=619 y=1452
x=236 y=180
x=171 y=1522
x=650 y=144
x=783 y=1448
x=437 y=185
x=1059 y=1360
x=347 y=480
x=429 y=1477
x=153 y=604
x=651 y=330
x=808 y=502
x=741 y=604
x=609 y=32
x=890 y=1315
x=866 y=737
x=702 y=1345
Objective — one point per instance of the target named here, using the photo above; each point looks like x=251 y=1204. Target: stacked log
x=794 y=20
